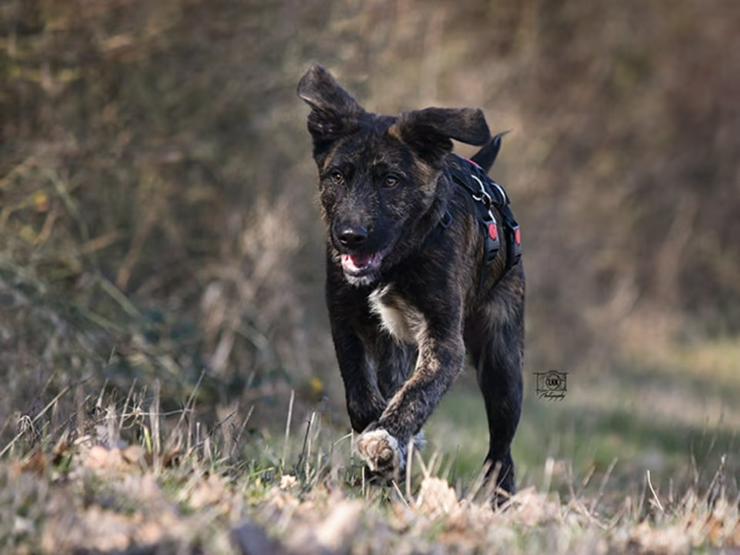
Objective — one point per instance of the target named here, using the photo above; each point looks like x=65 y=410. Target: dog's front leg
x=347 y=313
x=365 y=403
x=440 y=360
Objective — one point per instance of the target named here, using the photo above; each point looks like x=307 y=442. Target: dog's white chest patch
x=399 y=318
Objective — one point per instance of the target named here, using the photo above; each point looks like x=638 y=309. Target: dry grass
x=131 y=478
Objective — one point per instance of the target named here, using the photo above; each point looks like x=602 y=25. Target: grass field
x=645 y=461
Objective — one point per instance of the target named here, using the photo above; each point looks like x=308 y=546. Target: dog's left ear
x=429 y=131
x=334 y=112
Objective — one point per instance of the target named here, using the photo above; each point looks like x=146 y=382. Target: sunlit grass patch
x=634 y=417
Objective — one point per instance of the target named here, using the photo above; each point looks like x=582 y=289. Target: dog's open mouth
x=361 y=264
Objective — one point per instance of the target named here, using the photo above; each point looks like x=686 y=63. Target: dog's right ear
x=334 y=112
x=429 y=131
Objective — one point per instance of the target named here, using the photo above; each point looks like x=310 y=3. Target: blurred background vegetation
x=159 y=224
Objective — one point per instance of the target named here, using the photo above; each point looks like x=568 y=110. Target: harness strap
x=487 y=195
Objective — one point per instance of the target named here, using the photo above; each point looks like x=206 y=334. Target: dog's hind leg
x=500 y=379
x=497 y=352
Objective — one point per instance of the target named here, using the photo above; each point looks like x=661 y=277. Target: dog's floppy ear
x=333 y=110
x=429 y=131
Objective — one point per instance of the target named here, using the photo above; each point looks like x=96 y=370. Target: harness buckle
x=482 y=195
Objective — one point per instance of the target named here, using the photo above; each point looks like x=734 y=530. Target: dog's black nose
x=352 y=237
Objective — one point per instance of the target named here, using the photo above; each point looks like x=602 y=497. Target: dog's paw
x=381 y=452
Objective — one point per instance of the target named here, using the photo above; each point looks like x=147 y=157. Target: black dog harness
x=487 y=195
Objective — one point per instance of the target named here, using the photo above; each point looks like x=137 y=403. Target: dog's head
x=378 y=175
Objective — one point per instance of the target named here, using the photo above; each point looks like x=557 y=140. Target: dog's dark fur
x=405 y=294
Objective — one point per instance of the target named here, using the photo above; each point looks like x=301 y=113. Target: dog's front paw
x=381 y=452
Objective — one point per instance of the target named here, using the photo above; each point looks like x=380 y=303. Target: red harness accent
x=493 y=231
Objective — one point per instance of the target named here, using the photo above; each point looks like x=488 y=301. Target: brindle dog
x=406 y=294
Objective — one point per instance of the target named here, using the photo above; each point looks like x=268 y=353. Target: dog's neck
x=432 y=218
x=436 y=213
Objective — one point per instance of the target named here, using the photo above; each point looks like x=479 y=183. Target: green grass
x=674 y=420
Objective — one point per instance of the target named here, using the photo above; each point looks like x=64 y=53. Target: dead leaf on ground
x=36 y=463
x=436 y=497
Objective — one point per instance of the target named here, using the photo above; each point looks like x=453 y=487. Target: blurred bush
x=157 y=197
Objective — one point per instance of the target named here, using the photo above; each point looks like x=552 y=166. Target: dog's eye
x=390 y=181
x=337 y=177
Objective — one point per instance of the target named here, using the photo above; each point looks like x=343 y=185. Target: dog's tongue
x=360 y=260
x=357 y=262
